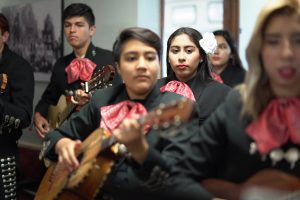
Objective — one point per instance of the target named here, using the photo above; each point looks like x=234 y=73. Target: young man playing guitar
x=71 y=71
x=122 y=112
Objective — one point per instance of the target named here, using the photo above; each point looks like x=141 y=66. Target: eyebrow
x=177 y=46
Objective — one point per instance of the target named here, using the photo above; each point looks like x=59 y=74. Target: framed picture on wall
x=36 y=34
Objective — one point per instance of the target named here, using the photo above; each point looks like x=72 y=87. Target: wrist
x=139 y=152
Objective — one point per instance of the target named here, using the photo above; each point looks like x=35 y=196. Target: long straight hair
x=204 y=68
x=257 y=92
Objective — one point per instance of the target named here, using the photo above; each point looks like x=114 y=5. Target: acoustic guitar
x=61 y=111
x=85 y=182
x=267 y=182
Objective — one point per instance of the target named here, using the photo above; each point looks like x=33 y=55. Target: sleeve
x=21 y=83
x=52 y=92
x=207 y=104
x=206 y=149
x=78 y=126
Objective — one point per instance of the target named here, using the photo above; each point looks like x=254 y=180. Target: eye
x=174 y=50
x=272 y=41
x=130 y=58
x=66 y=25
x=296 y=40
x=189 y=50
x=222 y=46
x=80 y=24
x=151 y=57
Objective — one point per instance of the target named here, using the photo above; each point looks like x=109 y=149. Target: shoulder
x=19 y=63
x=214 y=86
x=233 y=97
x=102 y=51
x=162 y=81
x=107 y=95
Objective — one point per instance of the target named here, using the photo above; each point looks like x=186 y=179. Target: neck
x=219 y=69
x=286 y=93
x=186 y=79
x=81 y=51
x=137 y=96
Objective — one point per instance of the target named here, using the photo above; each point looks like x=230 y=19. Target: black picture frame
x=36 y=34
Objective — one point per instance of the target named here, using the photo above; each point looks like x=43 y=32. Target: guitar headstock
x=173 y=113
x=101 y=79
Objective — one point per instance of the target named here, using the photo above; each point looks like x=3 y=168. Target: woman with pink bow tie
x=189 y=70
x=249 y=148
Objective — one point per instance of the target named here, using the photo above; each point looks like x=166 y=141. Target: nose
x=181 y=56
x=287 y=50
x=72 y=28
x=216 y=50
x=142 y=63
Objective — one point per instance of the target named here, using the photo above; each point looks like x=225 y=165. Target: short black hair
x=4 y=25
x=80 y=9
x=142 y=34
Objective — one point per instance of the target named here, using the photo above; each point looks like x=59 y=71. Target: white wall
x=249 y=11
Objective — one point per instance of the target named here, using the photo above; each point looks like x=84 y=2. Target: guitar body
x=86 y=181
x=267 y=179
x=64 y=107
x=83 y=183
x=55 y=113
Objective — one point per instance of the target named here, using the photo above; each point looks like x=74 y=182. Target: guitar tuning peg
x=155 y=127
x=253 y=148
x=276 y=156
x=292 y=156
x=166 y=125
x=177 y=120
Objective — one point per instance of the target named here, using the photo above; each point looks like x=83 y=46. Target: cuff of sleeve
x=51 y=139
x=153 y=159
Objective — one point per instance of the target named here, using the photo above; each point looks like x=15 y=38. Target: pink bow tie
x=179 y=88
x=80 y=68
x=217 y=77
x=276 y=125
x=113 y=115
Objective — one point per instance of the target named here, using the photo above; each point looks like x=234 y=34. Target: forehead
x=220 y=39
x=75 y=19
x=135 y=46
x=182 y=39
x=283 y=24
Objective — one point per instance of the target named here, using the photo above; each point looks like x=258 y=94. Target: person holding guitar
x=16 y=104
x=187 y=62
x=253 y=139
x=71 y=71
x=122 y=112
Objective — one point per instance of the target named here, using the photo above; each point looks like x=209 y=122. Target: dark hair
x=204 y=70
x=142 y=34
x=235 y=59
x=4 y=26
x=79 y=9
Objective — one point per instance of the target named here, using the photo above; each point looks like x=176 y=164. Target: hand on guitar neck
x=267 y=179
x=80 y=98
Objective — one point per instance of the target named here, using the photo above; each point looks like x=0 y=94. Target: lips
x=287 y=72
x=72 y=38
x=182 y=67
x=141 y=77
x=215 y=58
